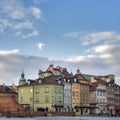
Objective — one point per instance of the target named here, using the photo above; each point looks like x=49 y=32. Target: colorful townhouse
x=66 y=78
x=98 y=97
x=57 y=90
x=42 y=94
x=117 y=99
x=67 y=90
x=110 y=98
x=84 y=93
x=75 y=95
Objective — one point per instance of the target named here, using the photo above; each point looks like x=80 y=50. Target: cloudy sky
x=75 y=34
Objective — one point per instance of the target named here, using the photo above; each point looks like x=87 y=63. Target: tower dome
x=22 y=79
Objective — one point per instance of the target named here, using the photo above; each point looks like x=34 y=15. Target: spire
x=22 y=74
x=22 y=79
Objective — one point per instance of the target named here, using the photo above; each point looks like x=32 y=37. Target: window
x=60 y=98
x=73 y=101
x=21 y=91
x=68 y=80
x=36 y=90
x=98 y=93
x=75 y=80
x=69 y=87
x=64 y=79
x=77 y=100
x=81 y=87
x=31 y=90
x=73 y=86
x=40 y=81
x=46 y=89
x=60 y=90
x=36 y=99
x=46 y=98
x=21 y=99
x=85 y=87
x=56 y=89
x=31 y=99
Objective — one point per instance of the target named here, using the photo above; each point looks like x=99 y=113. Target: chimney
x=78 y=71
x=50 y=68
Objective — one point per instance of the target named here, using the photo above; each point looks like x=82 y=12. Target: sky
x=74 y=34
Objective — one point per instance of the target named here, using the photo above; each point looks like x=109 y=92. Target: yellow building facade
x=75 y=94
x=42 y=95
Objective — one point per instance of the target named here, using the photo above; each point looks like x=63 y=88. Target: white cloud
x=87 y=38
x=12 y=64
x=16 y=17
x=9 y=52
x=73 y=35
x=12 y=9
x=27 y=35
x=75 y=59
x=36 y=12
x=40 y=46
x=24 y=25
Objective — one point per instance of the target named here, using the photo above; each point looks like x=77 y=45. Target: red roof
x=8 y=103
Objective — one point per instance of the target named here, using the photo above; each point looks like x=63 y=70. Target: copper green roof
x=22 y=79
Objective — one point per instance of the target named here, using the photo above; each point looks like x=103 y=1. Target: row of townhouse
x=104 y=96
x=57 y=90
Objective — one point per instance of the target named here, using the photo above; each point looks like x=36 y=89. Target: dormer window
x=75 y=80
x=40 y=81
x=59 y=81
x=28 y=82
x=64 y=79
x=68 y=80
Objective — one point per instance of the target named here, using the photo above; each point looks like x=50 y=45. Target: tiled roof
x=94 y=85
x=6 y=89
x=66 y=74
x=7 y=103
x=53 y=79
x=99 y=80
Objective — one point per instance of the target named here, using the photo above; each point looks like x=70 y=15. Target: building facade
x=67 y=95
x=44 y=94
x=84 y=93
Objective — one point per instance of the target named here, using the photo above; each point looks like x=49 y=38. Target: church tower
x=22 y=79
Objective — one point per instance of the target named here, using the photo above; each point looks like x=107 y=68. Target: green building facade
x=42 y=94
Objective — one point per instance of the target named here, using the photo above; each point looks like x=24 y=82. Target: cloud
x=107 y=49
x=27 y=35
x=108 y=54
x=36 y=12
x=73 y=35
x=16 y=17
x=24 y=25
x=11 y=66
x=40 y=46
x=88 y=38
x=12 y=9
x=9 y=52
x=75 y=59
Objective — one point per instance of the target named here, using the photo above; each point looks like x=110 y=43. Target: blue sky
x=69 y=33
